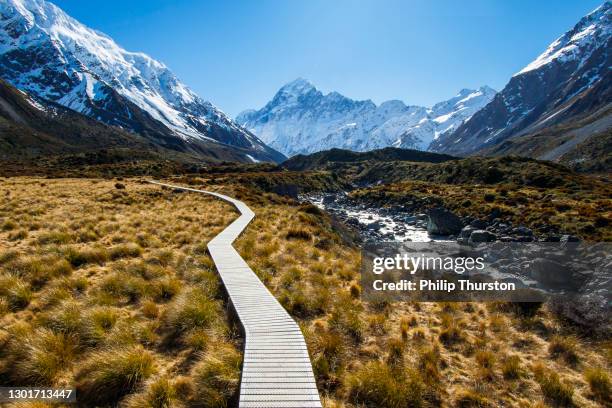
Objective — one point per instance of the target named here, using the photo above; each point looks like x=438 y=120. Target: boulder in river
x=481 y=236
x=443 y=222
x=328 y=199
x=467 y=231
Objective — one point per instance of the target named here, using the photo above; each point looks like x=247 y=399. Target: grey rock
x=467 y=231
x=481 y=236
x=443 y=222
x=523 y=231
x=328 y=199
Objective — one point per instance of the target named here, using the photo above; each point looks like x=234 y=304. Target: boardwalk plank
x=276 y=371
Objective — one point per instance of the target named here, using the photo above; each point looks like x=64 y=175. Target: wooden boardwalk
x=276 y=370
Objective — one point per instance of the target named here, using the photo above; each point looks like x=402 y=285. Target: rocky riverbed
x=396 y=224
x=589 y=303
x=376 y=224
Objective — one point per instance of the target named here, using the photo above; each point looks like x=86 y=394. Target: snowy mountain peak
x=299 y=86
x=301 y=119
x=47 y=53
x=590 y=33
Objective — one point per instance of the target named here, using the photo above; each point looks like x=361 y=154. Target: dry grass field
x=106 y=286
x=111 y=289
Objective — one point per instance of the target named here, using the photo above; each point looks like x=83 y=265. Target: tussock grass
x=511 y=367
x=109 y=375
x=216 y=376
x=91 y=300
x=376 y=385
x=159 y=393
x=565 y=347
x=599 y=383
x=553 y=389
x=192 y=309
x=16 y=293
x=39 y=356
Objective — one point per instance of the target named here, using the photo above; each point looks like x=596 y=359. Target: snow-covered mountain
x=568 y=82
x=300 y=119
x=47 y=53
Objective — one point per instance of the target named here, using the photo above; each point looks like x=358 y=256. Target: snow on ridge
x=587 y=35
x=81 y=52
x=301 y=119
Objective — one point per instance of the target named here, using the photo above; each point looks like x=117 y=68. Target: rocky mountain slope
x=553 y=104
x=300 y=119
x=31 y=127
x=50 y=55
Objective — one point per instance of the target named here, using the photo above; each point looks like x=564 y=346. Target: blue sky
x=237 y=54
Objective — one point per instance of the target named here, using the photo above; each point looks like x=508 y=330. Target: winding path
x=276 y=371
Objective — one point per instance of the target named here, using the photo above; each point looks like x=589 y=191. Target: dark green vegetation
x=390 y=154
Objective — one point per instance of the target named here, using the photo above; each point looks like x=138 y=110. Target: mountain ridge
x=49 y=54
x=300 y=119
x=569 y=81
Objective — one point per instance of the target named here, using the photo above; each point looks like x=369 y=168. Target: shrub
x=599 y=382
x=110 y=374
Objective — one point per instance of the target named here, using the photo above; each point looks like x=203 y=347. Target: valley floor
x=106 y=284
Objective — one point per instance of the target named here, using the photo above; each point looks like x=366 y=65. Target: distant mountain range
x=52 y=57
x=556 y=108
x=300 y=119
